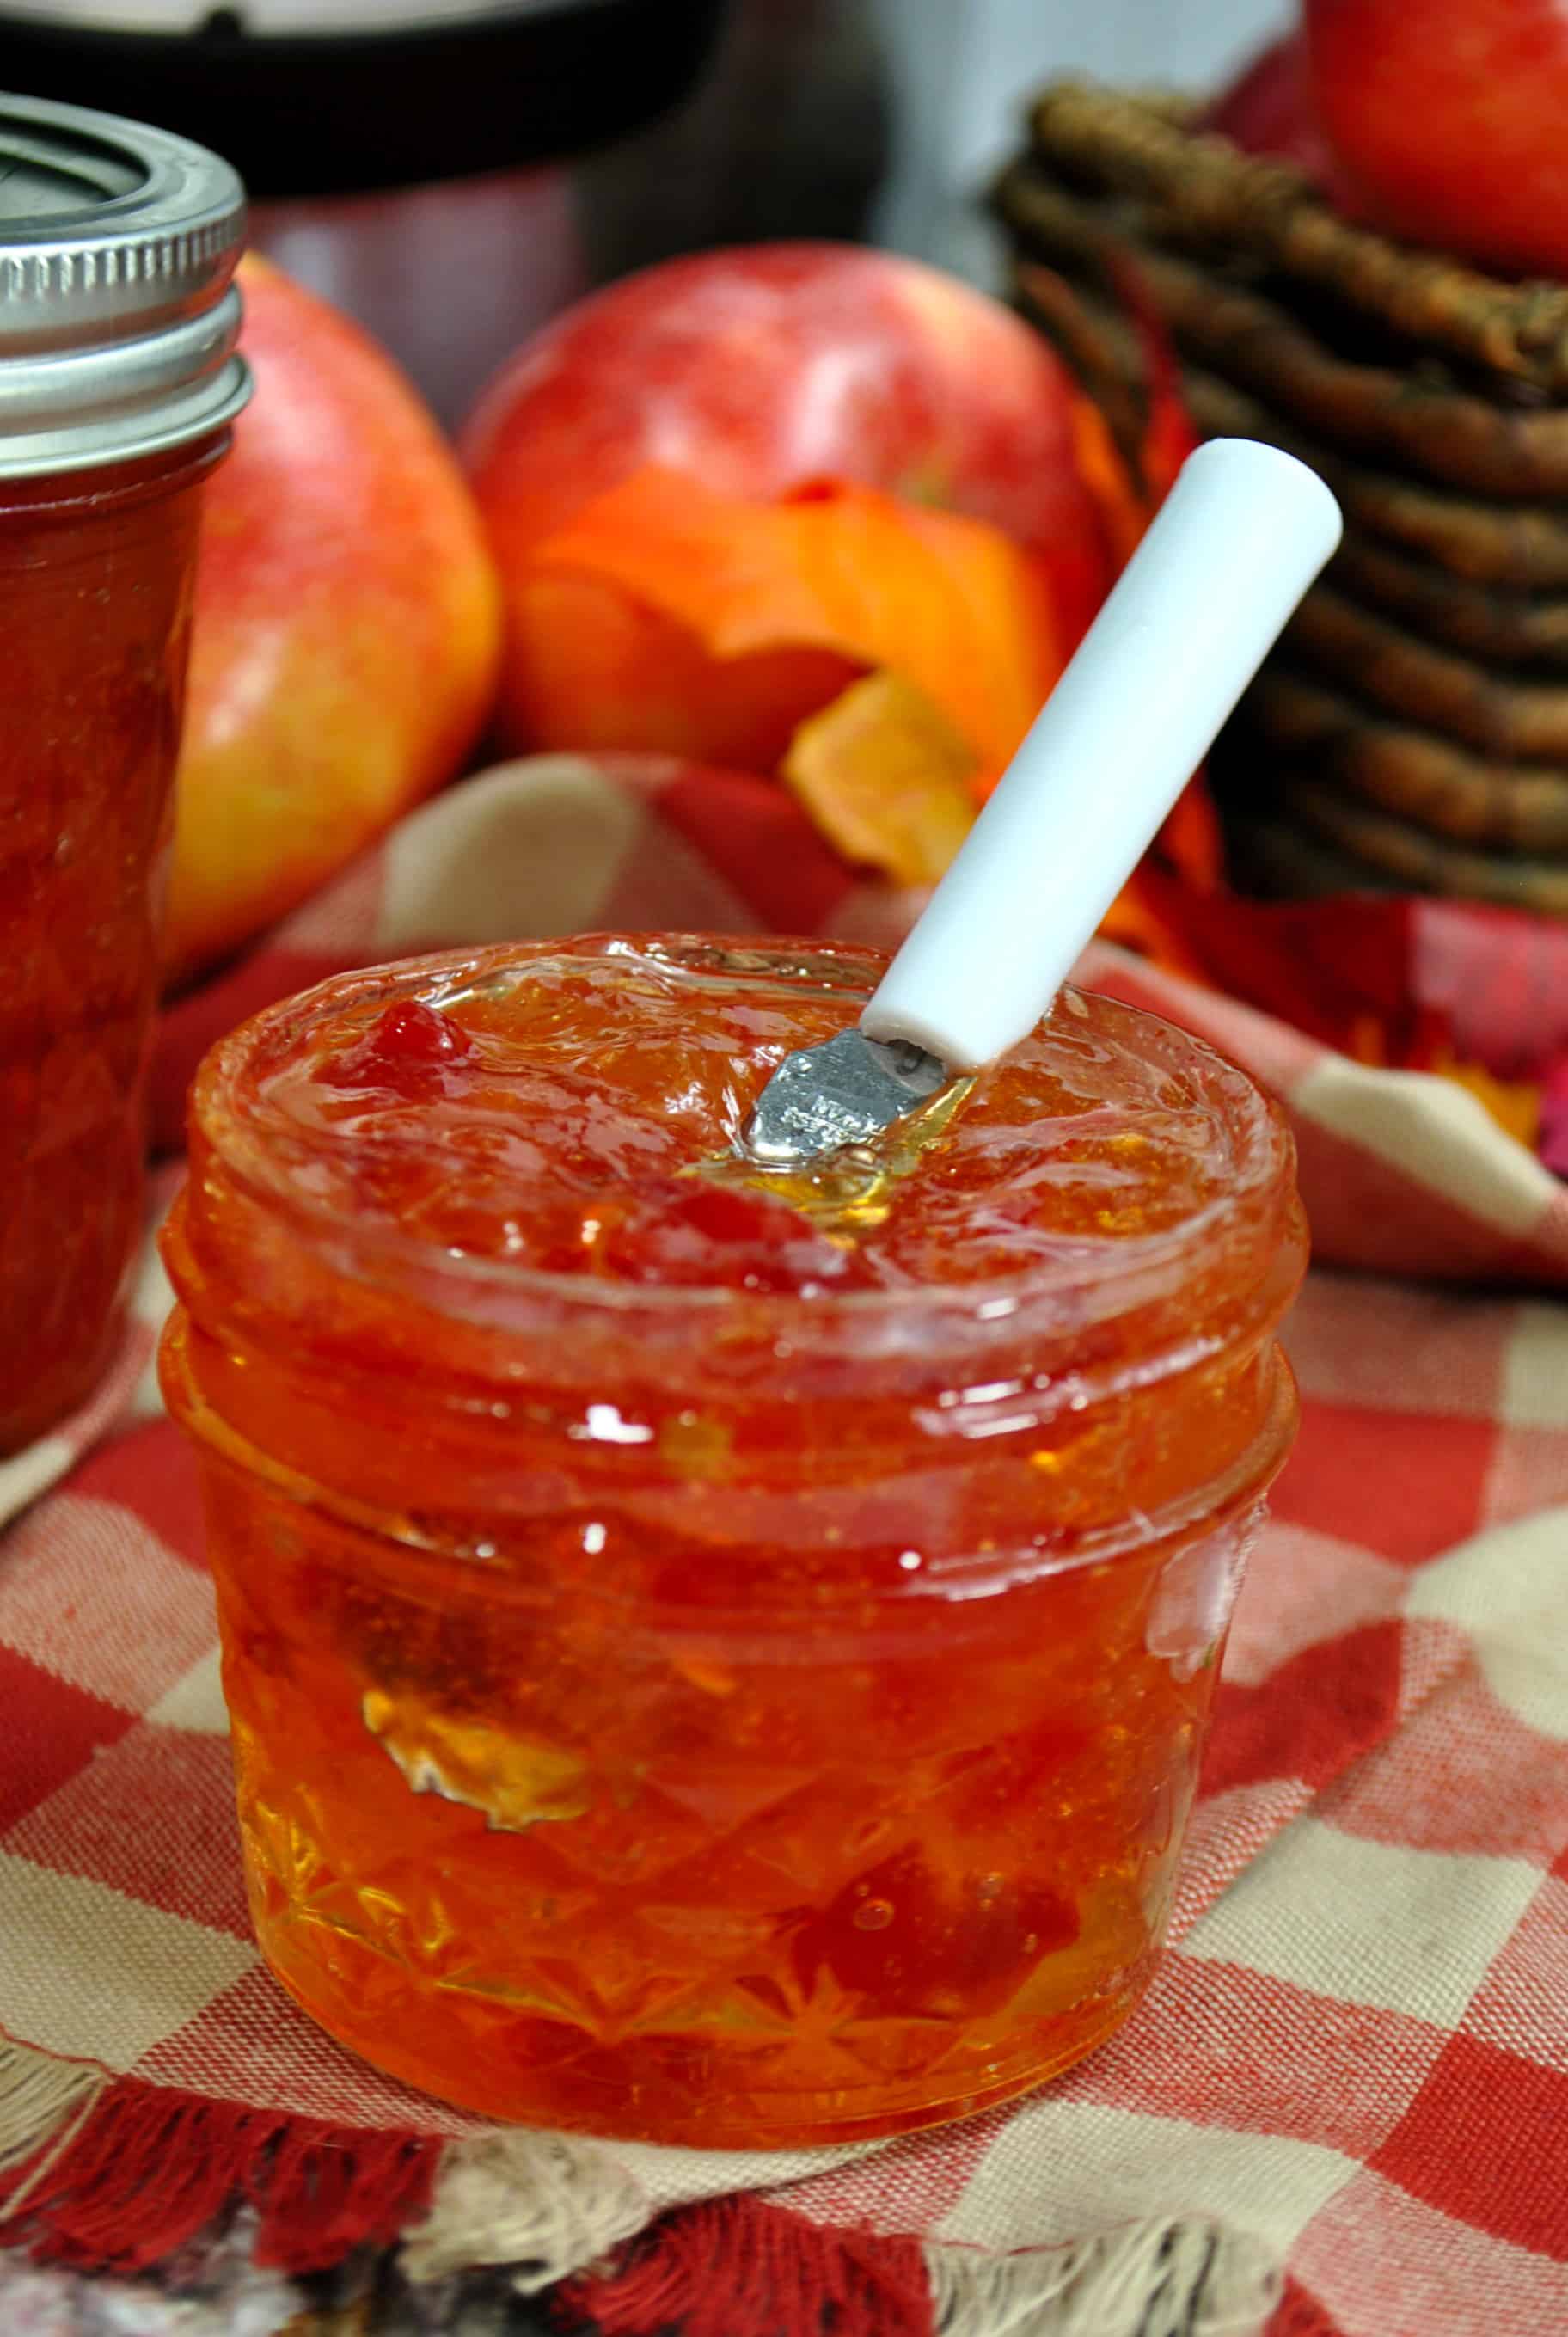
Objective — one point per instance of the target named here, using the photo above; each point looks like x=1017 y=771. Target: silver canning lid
x=118 y=314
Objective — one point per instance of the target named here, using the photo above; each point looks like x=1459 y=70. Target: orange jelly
x=712 y=1663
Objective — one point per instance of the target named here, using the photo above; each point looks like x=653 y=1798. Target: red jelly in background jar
x=118 y=381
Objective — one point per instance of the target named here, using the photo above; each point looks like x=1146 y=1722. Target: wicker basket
x=1412 y=728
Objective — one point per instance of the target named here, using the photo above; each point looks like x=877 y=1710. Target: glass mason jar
x=732 y=1720
x=118 y=381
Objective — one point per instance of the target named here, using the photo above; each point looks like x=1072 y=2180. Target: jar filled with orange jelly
x=118 y=381
x=714 y=1661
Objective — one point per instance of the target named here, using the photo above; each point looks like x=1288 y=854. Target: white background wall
x=963 y=68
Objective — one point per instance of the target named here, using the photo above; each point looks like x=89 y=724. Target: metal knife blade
x=841 y=1092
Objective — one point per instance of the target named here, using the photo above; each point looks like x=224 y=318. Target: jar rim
x=1133 y=1269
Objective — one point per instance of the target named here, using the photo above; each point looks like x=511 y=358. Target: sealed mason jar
x=715 y=1663
x=118 y=381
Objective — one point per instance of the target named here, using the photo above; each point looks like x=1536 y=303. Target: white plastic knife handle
x=1237 y=541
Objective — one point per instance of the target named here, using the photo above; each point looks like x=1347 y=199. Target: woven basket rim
x=1146 y=144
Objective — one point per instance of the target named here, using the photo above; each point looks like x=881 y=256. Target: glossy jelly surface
x=553 y=1117
x=714 y=1662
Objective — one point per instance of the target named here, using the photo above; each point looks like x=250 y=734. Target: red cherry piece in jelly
x=406 y=1048
x=910 y=1940
x=684 y=1230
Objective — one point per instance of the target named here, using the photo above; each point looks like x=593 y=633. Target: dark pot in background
x=461 y=170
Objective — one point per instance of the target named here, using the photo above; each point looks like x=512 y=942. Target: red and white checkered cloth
x=1356 y=2051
